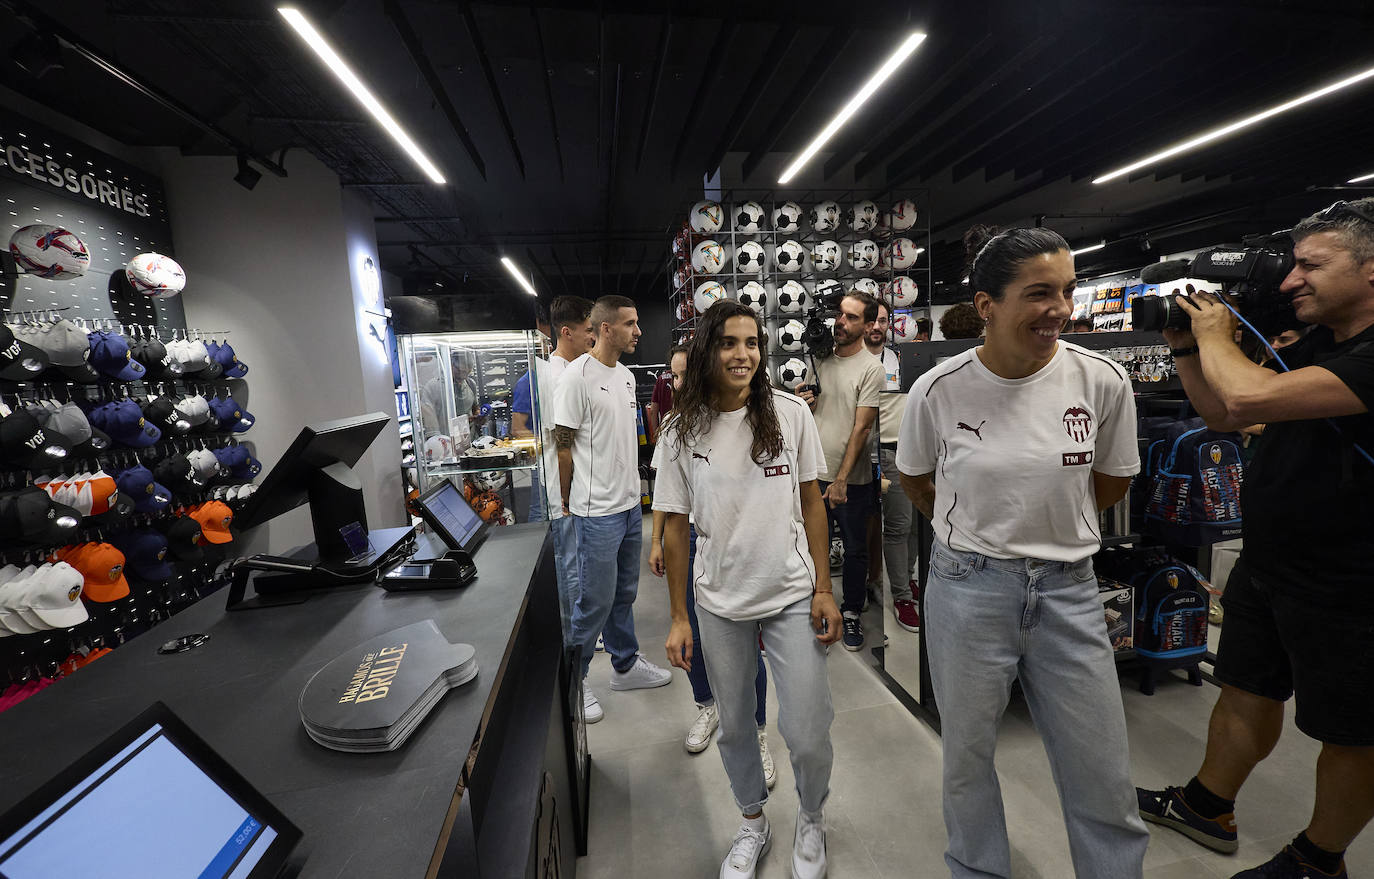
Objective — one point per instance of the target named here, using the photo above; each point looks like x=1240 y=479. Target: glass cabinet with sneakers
x=475 y=419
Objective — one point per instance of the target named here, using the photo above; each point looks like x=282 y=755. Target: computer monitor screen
x=451 y=517
x=152 y=801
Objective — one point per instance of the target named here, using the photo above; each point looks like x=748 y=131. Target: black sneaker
x=1168 y=808
x=853 y=632
x=1288 y=864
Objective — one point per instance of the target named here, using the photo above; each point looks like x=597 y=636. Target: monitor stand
x=279 y=585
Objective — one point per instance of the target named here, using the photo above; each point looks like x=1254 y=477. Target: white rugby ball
x=49 y=252
x=153 y=274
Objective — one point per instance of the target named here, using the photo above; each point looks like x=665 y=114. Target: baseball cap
x=19 y=360
x=102 y=570
x=183 y=539
x=162 y=413
x=70 y=421
x=26 y=443
x=214 y=518
x=110 y=356
x=195 y=409
x=237 y=462
x=196 y=359
x=178 y=474
x=230 y=415
x=104 y=492
x=17 y=619
x=68 y=347
x=53 y=594
x=36 y=518
x=205 y=463
x=156 y=359
x=223 y=354
x=125 y=424
x=145 y=554
x=139 y=484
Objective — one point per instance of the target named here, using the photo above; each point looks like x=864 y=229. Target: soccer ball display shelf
x=781 y=252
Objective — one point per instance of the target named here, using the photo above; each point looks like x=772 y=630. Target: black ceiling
x=572 y=133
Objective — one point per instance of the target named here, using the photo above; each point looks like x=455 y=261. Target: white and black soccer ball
x=828 y=291
x=792 y=297
x=869 y=286
x=487 y=480
x=793 y=372
x=750 y=258
x=902 y=292
x=706 y=295
x=155 y=275
x=706 y=217
x=790 y=335
x=439 y=448
x=749 y=217
x=708 y=257
x=826 y=256
x=901 y=253
x=787 y=217
x=903 y=326
x=825 y=217
x=49 y=252
x=903 y=215
x=862 y=217
x=863 y=254
x=752 y=294
x=789 y=257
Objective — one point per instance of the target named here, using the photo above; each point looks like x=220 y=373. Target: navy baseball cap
x=229 y=415
x=150 y=496
x=125 y=424
x=19 y=360
x=237 y=462
x=110 y=356
x=145 y=554
x=223 y=354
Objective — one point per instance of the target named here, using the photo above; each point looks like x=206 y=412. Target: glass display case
x=459 y=390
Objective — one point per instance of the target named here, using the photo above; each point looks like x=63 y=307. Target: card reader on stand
x=435 y=566
x=279 y=580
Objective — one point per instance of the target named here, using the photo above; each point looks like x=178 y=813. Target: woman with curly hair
x=742 y=459
x=961 y=322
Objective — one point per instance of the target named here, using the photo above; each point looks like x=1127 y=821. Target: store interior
x=275 y=275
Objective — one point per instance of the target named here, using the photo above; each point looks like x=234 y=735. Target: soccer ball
x=829 y=291
x=863 y=255
x=707 y=294
x=748 y=217
x=789 y=257
x=752 y=294
x=706 y=217
x=488 y=505
x=867 y=285
x=685 y=311
x=902 y=292
x=862 y=217
x=749 y=258
x=791 y=297
x=507 y=517
x=787 y=217
x=49 y=252
x=825 y=256
x=792 y=373
x=790 y=336
x=903 y=326
x=825 y=217
x=708 y=258
x=903 y=215
x=882 y=229
x=487 y=480
x=153 y=274
x=900 y=254
x=438 y=448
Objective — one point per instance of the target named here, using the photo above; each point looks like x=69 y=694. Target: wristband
x=1184 y=352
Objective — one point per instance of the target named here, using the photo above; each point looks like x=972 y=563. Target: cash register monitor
x=452 y=518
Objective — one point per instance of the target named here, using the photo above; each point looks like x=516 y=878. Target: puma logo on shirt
x=702 y=457
x=976 y=431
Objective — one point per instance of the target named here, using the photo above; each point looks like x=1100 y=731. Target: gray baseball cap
x=68 y=349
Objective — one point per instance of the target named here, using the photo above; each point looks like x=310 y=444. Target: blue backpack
x=1196 y=474
x=1171 y=613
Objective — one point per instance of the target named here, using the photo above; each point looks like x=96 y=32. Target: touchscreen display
x=453 y=513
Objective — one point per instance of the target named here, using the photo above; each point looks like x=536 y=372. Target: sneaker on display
x=591 y=709
x=853 y=632
x=1167 y=808
x=907 y=613
x=749 y=847
x=699 y=736
x=808 y=847
x=1288 y=864
x=642 y=675
x=770 y=772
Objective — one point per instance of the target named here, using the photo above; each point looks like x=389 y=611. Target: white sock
x=756 y=824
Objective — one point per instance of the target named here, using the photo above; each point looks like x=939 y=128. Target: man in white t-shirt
x=569 y=324
x=598 y=463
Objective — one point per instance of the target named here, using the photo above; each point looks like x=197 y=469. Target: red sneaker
x=907 y=614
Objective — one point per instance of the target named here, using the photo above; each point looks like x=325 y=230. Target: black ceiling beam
x=715 y=61
x=562 y=275
x=581 y=278
x=614 y=165
x=485 y=61
x=768 y=67
x=416 y=48
x=546 y=74
x=639 y=271
x=655 y=79
x=416 y=220
x=307 y=120
x=813 y=76
x=539 y=270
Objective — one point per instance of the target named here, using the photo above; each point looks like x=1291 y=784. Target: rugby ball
x=49 y=252
x=153 y=274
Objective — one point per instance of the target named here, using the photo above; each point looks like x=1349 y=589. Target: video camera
x=818 y=339
x=1250 y=273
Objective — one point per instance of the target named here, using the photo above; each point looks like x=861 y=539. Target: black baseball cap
x=34 y=517
x=177 y=473
x=18 y=359
x=183 y=539
x=155 y=359
x=162 y=413
x=26 y=443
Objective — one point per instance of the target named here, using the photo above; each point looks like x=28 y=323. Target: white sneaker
x=642 y=675
x=745 y=852
x=600 y=645
x=808 y=849
x=591 y=709
x=770 y=772
x=699 y=736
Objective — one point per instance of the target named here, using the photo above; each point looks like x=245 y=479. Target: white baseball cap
x=53 y=593
x=13 y=615
x=205 y=463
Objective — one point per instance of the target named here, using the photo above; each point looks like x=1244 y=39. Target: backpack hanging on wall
x=1195 y=487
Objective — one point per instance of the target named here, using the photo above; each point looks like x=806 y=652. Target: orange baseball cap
x=102 y=569
x=215 y=518
x=103 y=492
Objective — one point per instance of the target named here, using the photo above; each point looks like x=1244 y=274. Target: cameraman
x=1300 y=606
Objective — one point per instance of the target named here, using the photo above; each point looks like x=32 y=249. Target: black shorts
x=1277 y=642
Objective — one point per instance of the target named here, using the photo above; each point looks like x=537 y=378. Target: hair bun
x=974 y=240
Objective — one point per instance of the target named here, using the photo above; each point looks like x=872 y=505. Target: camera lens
x=1157 y=313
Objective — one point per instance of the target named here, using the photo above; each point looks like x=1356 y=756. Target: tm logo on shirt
x=778 y=470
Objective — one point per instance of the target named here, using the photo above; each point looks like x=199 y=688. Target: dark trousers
x=852 y=519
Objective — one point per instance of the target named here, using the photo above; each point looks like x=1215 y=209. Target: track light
x=1089 y=249
x=248 y=176
x=515 y=273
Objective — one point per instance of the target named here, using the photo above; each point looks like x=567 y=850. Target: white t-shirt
x=547 y=372
x=752 y=554
x=846 y=384
x=1013 y=458
x=599 y=403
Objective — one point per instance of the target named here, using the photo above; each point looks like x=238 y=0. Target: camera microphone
x=1164 y=272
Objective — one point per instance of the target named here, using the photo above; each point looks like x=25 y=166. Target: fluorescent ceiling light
x=1089 y=249
x=312 y=38
x=1221 y=132
x=889 y=67
x=515 y=273
x=1361 y=179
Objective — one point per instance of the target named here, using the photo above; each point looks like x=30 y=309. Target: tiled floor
x=661 y=813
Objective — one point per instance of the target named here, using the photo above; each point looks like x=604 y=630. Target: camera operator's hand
x=1210 y=319
x=837 y=493
x=804 y=392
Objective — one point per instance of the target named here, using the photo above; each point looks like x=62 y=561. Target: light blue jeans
x=900 y=547
x=607 y=550
x=804 y=710
x=988 y=622
x=565 y=563
x=536 y=497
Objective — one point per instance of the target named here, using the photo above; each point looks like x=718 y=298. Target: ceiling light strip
x=903 y=52
x=515 y=273
x=1089 y=249
x=1361 y=179
x=321 y=47
x=1223 y=131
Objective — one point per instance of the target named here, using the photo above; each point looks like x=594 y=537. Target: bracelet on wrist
x=1184 y=352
